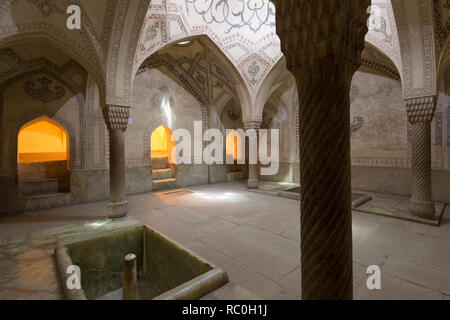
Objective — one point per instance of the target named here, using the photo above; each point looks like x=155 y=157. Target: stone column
x=420 y=114
x=322 y=41
x=253 y=181
x=116 y=118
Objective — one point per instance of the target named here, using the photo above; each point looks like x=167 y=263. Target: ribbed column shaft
x=326 y=221
x=116 y=118
x=322 y=41
x=117 y=166
x=420 y=114
x=253 y=180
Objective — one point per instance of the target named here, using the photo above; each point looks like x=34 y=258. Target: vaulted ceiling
x=117 y=36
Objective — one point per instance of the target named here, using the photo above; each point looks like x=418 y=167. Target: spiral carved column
x=420 y=114
x=253 y=181
x=322 y=41
x=116 y=118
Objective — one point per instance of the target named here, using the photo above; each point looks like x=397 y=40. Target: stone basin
x=165 y=269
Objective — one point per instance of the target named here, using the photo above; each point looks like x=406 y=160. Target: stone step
x=45 y=201
x=160 y=163
x=164 y=184
x=44 y=186
x=160 y=174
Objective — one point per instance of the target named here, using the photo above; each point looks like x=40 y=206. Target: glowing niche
x=42 y=140
x=234 y=145
x=161 y=142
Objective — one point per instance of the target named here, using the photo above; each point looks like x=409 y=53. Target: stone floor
x=254 y=237
x=397 y=207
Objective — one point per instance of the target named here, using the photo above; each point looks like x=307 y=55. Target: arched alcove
x=233 y=145
x=163 y=167
x=43 y=157
x=42 y=140
x=161 y=143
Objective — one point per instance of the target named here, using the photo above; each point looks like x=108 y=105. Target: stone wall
x=379 y=129
x=380 y=139
x=27 y=98
x=159 y=100
x=398 y=181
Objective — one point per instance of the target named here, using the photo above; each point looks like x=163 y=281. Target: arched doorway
x=234 y=145
x=43 y=157
x=234 y=149
x=161 y=143
x=163 y=166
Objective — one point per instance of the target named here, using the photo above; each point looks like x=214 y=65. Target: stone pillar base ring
x=117 y=210
x=252 y=184
x=422 y=209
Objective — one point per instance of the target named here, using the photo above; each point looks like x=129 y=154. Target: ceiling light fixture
x=184 y=43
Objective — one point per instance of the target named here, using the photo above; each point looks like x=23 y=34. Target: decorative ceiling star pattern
x=235 y=14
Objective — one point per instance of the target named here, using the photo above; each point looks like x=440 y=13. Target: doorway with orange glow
x=234 y=145
x=43 y=156
x=163 y=166
x=235 y=150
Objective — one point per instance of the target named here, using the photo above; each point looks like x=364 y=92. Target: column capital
x=116 y=117
x=421 y=109
x=316 y=31
x=248 y=125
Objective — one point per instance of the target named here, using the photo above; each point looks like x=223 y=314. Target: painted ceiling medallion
x=44 y=93
x=235 y=14
x=47 y=7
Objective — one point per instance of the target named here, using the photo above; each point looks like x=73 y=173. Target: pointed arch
x=238 y=82
x=32 y=148
x=84 y=57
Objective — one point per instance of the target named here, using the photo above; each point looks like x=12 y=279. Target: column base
x=252 y=184
x=117 y=210
x=422 y=209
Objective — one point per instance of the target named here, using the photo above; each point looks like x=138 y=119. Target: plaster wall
x=158 y=100
x=380 y=139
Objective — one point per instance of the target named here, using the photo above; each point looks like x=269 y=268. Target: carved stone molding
x=440 y=28
x=391 y=73
x=120 y=18
x=116 y=117
x=421 y=109
x=248 y=125
x=108 y=22
x=428 y=53
x=382 y=162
